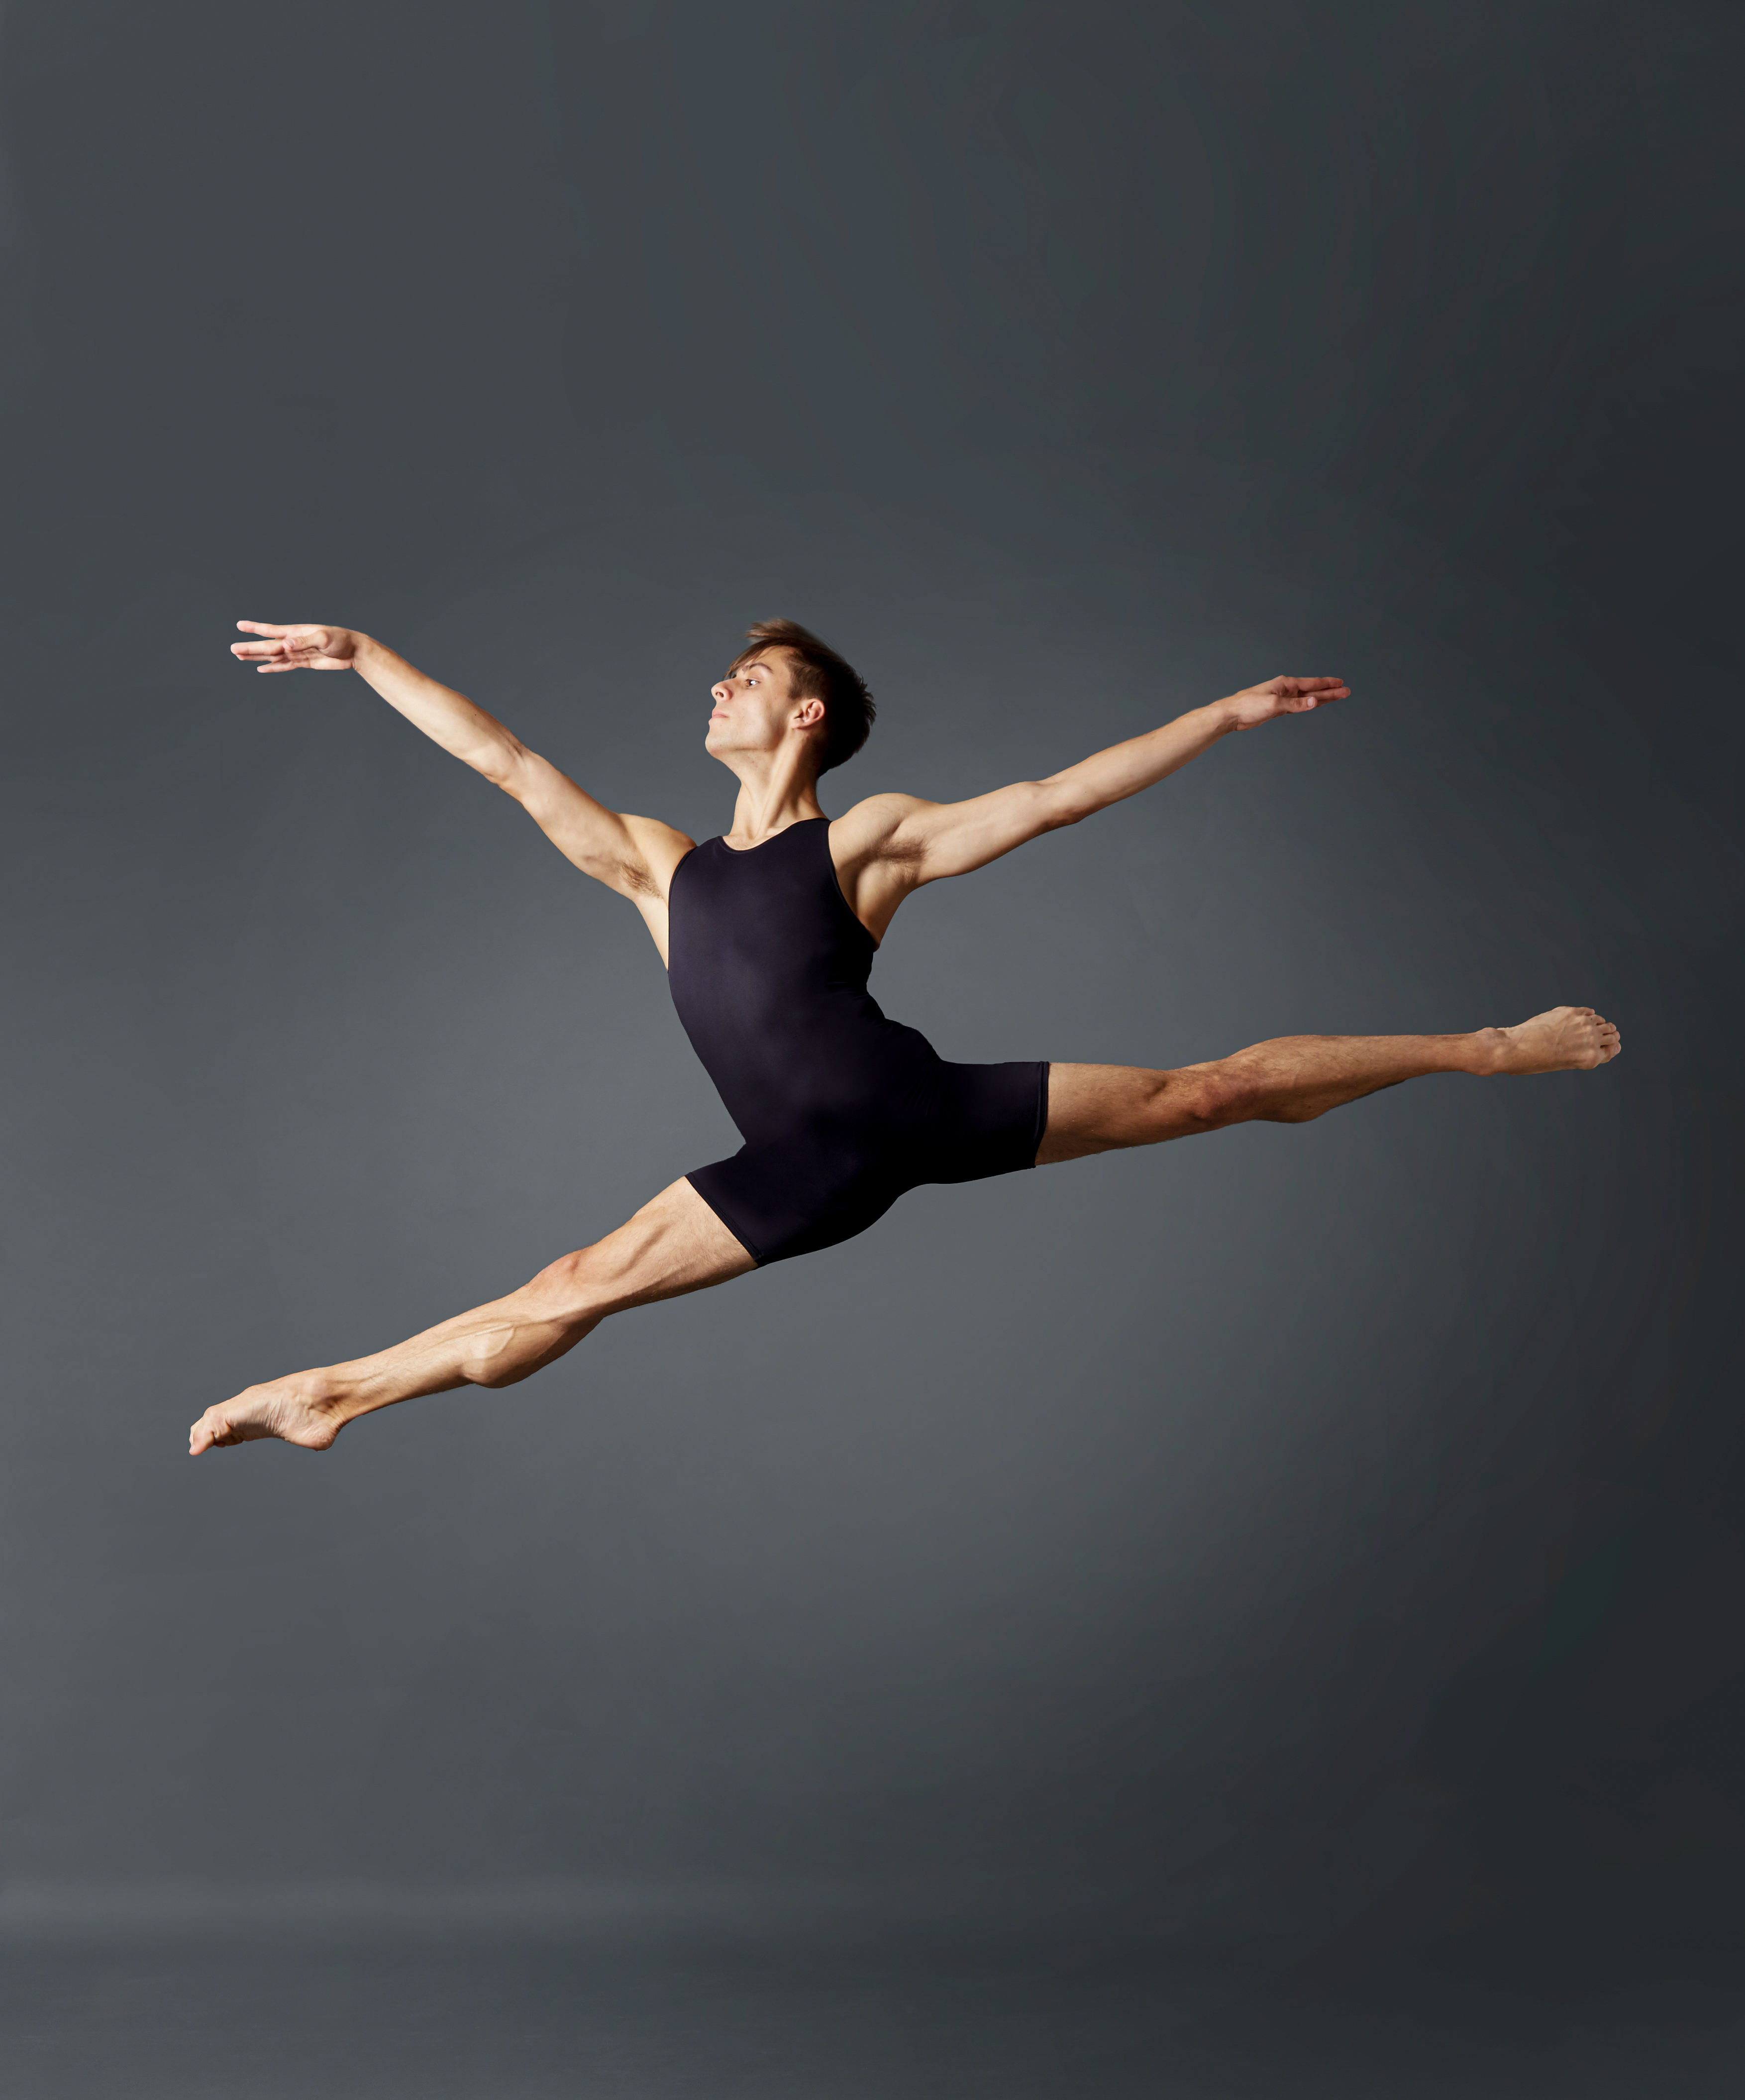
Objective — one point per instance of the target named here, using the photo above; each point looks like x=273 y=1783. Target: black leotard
x=841 y=1110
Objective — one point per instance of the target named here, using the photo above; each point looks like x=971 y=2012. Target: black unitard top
x=841 y=1110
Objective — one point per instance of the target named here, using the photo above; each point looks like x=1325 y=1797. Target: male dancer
x=768 y=932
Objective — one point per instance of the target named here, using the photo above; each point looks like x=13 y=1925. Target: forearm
x=446 y=717
x=1126 y=769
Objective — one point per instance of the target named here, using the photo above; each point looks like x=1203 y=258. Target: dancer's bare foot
x=302 y=1408
x=1568 y=1039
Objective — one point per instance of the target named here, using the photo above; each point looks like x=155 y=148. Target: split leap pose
x=767 y=934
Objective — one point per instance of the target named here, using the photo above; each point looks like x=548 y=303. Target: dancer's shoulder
x=875 y=822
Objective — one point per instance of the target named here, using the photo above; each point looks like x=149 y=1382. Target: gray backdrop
x=1333 y=1528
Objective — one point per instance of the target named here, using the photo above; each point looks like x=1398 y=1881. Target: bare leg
x=673 y=1245
x=1293 y=1079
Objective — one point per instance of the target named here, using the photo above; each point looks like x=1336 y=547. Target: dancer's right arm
x=634 y=855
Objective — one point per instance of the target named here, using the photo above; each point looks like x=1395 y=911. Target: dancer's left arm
x=929 y=839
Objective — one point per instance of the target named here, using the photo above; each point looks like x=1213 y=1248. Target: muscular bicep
x=938 y=839
x=633 y=855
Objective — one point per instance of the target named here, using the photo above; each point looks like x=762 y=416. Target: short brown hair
x=818 y=673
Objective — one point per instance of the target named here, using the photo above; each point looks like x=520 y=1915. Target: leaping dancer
x=769 y=934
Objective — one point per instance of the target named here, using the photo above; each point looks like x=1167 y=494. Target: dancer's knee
x=1230 y=1091
x=576 y=1286
x=1212 y=1097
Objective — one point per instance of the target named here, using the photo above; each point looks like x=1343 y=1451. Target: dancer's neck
x=775 y=791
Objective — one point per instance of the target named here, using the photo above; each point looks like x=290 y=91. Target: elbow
x=1057 y=807
x=505 y=765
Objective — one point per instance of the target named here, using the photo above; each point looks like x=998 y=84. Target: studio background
x=1331 y=1529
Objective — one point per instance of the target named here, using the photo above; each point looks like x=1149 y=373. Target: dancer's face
x=754 y=709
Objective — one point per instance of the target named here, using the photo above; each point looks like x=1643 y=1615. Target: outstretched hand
x=1255 y=704
x=296 y=648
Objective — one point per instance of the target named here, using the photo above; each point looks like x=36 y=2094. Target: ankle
x=333 y=1392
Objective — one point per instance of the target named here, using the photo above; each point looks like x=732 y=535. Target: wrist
x=1220 y=716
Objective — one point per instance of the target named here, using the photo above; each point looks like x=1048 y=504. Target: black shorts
x=833 y=1177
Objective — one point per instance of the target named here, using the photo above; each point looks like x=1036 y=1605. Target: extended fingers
x=1298 y=694
x=273 y=655
x=1302 y=695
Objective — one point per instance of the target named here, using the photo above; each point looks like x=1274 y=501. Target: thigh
x=675 y=1243
x=796 y=1195
x=985 y=1119
x=1102 y=1108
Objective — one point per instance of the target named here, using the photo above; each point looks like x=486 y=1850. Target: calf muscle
x=1290 y=1078
x=673 y=1245
x=1293 y=1079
